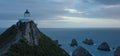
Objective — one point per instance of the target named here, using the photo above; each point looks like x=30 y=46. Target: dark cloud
x=110 y=13
x=99 y=9
x=49 y=9
x=42 y=9
x=9 y=16
x=53 y=9
x=108 y=2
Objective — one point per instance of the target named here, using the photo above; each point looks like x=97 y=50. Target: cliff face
x=29 y=31
x=25 y=39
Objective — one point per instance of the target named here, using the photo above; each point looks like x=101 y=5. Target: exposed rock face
x=104 y=47
x=88 y=41
x=25 y=39
x=74 y=42
x=80 y=51
x=117 y=51
x=29 y=31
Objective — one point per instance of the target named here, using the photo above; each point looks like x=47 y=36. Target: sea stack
x=57 y=42
x=117 y=51
x=88 y=41
x=80 y=51
x=104 y=47
x=74 y=43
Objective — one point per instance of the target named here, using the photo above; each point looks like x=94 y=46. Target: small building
x=26 y=17
x=27 y=14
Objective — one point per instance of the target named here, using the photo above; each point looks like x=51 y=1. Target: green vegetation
x=8 y=36
x=46 y=47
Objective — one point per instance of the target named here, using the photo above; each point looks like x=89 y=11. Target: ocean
x=99 y=35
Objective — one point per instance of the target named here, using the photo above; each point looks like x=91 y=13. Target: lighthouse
x=26 y=17
x=27 y=14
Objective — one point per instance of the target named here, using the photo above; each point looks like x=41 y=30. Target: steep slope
x=7 y=38
x=25 y=39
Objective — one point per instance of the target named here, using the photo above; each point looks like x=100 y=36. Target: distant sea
x=65 y=35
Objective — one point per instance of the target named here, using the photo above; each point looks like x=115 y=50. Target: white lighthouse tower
x=26 y=17
x=27 y=14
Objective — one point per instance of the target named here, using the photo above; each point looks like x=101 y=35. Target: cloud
x=99 y=9
x=76 y=22
x=73 y=11
x=105 y=11
x=108 y=2
x=48 y=9
x=39 y=9
x=51 y=10
x=108 y=6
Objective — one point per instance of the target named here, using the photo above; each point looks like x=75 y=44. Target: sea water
x=99 y=35
x=2 y=30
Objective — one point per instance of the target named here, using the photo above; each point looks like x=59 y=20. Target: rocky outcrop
x=104 y=47
x=88 y=41
x=25 y=39
x=117 y=51
x=29 y=31
x=57 y=42
x=74 y=43
x=80 y=51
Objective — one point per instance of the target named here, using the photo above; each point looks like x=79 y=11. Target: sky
x=62 y=13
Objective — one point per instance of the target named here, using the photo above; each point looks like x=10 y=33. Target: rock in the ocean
x=74 y=42
x=88 y=41
x=117 y=51
x=57 y=42
x=80 y=51
x=104 y=47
